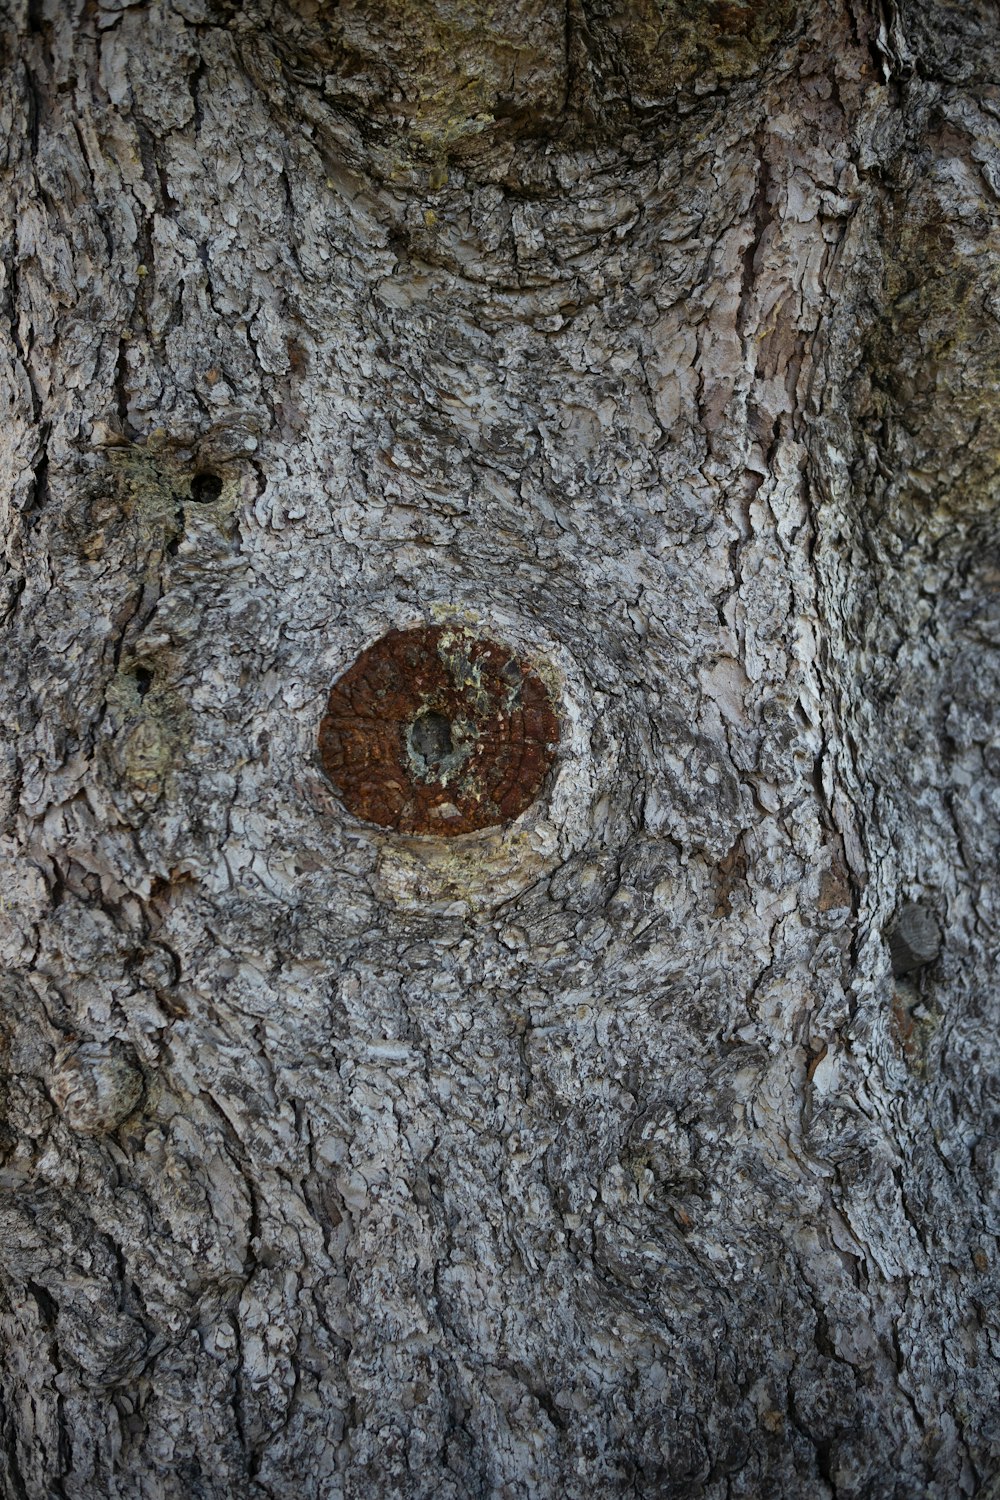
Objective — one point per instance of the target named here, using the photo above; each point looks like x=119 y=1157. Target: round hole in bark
x=205 y=487
x=431 y=744
x=914 y=938
x=437 y=730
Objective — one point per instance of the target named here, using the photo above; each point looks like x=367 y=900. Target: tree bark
x=646 y=1142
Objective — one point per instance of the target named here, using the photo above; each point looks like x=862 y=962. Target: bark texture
x=601 y=1152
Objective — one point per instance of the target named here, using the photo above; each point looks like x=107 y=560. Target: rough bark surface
x=601 y=1152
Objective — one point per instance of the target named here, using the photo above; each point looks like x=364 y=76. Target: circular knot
x=439 y=731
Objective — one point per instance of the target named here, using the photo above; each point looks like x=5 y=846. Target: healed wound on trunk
x=438 y=731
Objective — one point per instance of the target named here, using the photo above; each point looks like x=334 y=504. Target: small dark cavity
x=143 y=680
x=431 y=740
x=206 y=487
x=914 y=939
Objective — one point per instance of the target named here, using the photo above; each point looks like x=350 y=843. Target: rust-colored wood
x=496 y=733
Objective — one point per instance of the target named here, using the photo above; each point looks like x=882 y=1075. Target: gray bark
x=601 y=1151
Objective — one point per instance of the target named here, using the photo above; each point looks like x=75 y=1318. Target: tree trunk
x=636 y=1134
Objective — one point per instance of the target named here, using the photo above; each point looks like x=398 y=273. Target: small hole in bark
x=915 y=939
x=431 y=741
x=206 y=487
x=143 y=680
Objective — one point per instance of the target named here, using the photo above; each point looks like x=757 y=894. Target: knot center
x=430 y=744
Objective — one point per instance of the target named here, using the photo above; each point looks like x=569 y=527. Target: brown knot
x=436 y=730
